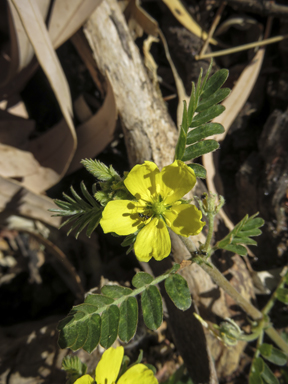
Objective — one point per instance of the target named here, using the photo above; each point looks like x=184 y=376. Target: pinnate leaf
x=272 y=354
x=204 y=131
x=216 y=98
x=128 y=319
x=151 y=303
x=110 y=324
x=141 y=279
x=177 y=289
x=115 y=291
x=214 y=83
x=199 y=149
x=207 y=115
x=198 y=169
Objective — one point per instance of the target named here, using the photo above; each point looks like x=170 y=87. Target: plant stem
x=273 y=297
x=210 y=231
x=222 y=282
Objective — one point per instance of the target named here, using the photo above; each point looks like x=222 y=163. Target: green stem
x=222 y=282
x=273 y=297
x=210 y=231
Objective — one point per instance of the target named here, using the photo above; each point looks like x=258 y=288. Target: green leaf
x=110 y=323
x=204 y=131
x=254 y=223
x=207 y=115
x=98 y=300
x=244 y=240
x=239 y=249
x=115 y=291
x=185 y=117
x=268 y=376
x=130 y=239
x=180 y=146
x=214 y=83
x=72 y=364
x=199 y=149
x=177 y=289
x=192 y=105
x=274 y=355
x=216 y=98
x=75 y=328
x=255 y=378
x=151 y=303
x=282 y=295
x=74 y=368
x=199 y=170
x=100 y=170
x=128 y=319
x=141 y=279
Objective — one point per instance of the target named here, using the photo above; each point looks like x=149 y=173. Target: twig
x=243 y=47
x=213 y=27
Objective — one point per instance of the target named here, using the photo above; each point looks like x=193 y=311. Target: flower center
x=158 y=208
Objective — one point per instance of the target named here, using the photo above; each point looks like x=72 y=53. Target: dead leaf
x=184 y=17
x=67 y=17
x=134 y=10
x=16 y=163
x=14 y=199
x=96 y=133
x=35 y=28
x=10 y=134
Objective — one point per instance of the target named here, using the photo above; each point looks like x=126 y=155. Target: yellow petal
x=86 y=379
x=122 y=217
x=153 y=241
x=184 y=219
x=138 y=374
x=175 y=181
x=109 y=366
x=141 y=181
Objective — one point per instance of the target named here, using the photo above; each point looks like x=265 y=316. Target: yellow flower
x=157 y=206
x=108 y=369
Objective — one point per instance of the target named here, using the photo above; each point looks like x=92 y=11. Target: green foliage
x=100 y=170
x=74 y=368
x=282 y=295
x=177 y=288
x=101 y=318
x=261 y=373
x=82 y=213
x=204 y=100
x=247 y=227
x=272 y=354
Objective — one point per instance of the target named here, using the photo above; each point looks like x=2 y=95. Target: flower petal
x=138 y=374
x=184 y=219
x=109 y=366
x=175 y=181
x=153 y=241
x=122 y=217
x=86 y=379
x=141 y=181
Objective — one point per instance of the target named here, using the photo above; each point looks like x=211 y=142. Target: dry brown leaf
x=96 y=133
x=147 y=23
x=82 y=109
x=16 y=163
x=67 y=17
x=38 y=35
x=184 y=17
x=10 y=134
x=14 y=199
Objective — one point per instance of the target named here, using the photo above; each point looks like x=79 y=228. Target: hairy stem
x=222 y=282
